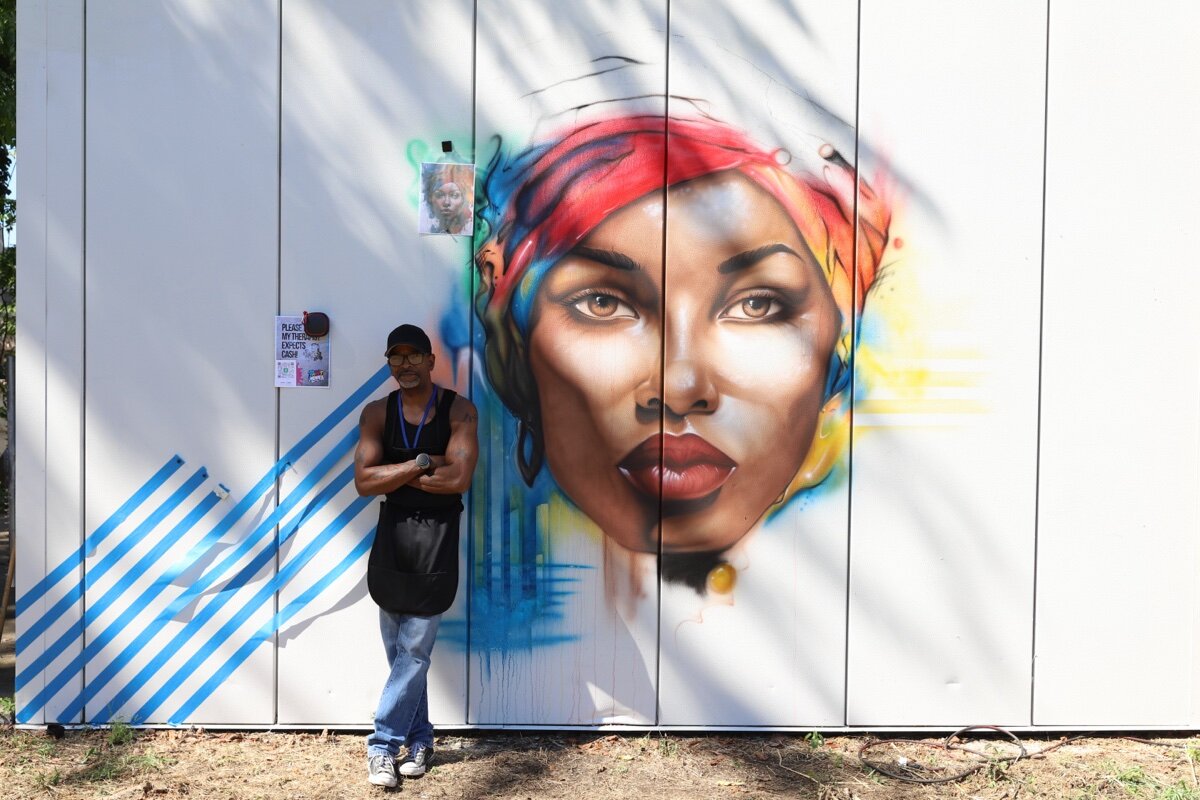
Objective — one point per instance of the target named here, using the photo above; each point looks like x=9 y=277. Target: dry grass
x=196 y=764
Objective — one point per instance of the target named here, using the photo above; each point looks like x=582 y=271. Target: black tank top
x=435 y=437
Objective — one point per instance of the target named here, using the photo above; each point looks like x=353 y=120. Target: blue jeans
x=402 y=717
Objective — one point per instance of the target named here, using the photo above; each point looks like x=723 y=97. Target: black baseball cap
x=410 y=335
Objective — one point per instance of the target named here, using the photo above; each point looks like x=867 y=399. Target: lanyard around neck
x=404 y=426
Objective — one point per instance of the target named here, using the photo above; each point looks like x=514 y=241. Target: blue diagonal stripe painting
x=141 y=597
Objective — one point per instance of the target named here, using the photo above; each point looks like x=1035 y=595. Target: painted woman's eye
x=755 y=307
x=598 y=305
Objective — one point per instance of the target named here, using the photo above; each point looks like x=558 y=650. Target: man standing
x=417 y=446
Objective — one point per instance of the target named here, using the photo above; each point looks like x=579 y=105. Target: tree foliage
x=8 y=204
x=8 y=218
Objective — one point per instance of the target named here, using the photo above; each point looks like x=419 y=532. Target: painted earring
x=721 y=578
x=529 y=437
x=828 y=443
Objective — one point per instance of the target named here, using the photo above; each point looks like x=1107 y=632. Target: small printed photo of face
x=447 y=199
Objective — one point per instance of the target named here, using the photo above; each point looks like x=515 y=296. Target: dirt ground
x=123 y=763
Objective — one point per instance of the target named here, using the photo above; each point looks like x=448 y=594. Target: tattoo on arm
x=464 y=411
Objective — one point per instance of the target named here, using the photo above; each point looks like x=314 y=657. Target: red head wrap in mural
x=591 y=172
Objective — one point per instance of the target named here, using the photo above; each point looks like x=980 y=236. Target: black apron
x=413 y=566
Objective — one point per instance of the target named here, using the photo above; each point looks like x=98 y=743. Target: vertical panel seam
x=852 y=366
x=45 y=365
x=278 y=311
x=470 y=511
x=82 y=343
x=662 y=362
x=1037 y=471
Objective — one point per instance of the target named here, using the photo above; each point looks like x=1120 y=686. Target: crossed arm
x=450 y=474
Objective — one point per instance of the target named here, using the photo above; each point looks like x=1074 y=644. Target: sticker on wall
x=285 y=372
x=300 y=359
x=447 y=199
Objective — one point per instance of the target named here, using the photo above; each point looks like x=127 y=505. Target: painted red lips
x=690 y=468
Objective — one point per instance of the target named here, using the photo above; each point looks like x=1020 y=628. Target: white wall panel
x=370 y=89
x=64 y=316
x=771 y=651
x=51 y=338
x=1120 y=436
x=30 y=435
x=563 y=626
x=942 y=500
x=181 y=208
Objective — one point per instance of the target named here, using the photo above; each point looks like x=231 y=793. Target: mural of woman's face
x=447 y=203
x=733 y=359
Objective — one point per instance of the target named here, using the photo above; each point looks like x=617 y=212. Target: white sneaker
x=381 y=771
x=417 y=761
